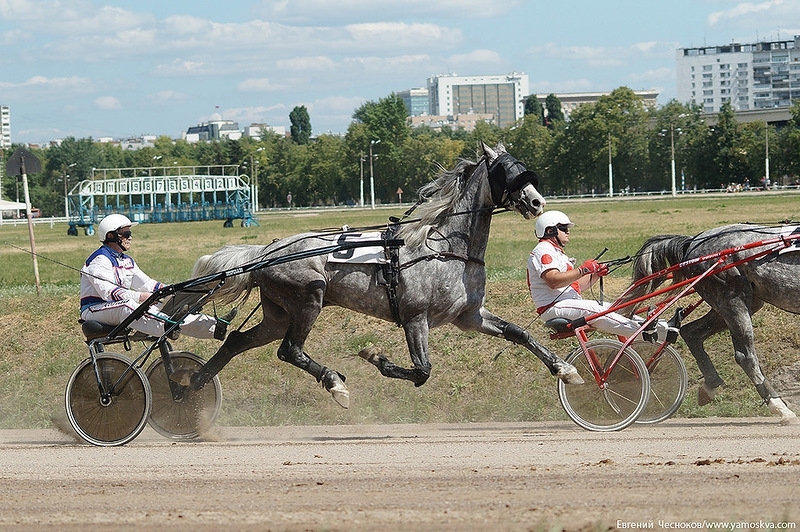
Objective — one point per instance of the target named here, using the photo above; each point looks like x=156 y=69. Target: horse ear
x=490 y=153
x=501 y=148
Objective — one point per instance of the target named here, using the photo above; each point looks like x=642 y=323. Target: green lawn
x=474 y=378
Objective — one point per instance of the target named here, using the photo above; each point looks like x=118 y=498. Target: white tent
x=11 y=206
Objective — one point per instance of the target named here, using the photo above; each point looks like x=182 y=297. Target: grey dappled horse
x=734 y=295
x=441 y=274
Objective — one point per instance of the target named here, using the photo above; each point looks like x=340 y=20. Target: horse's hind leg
x=487 y=323
x=736 y=306
x=302 y=316
x=695 y=333
x=237 y=342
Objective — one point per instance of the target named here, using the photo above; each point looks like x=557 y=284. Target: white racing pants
x=152 y=322
x=611 y=323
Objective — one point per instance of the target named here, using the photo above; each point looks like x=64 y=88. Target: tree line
x=572 y=155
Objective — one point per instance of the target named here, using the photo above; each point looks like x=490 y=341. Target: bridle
x=501 y=184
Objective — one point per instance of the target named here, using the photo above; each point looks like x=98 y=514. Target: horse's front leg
x=416 y=330
x=487 y=323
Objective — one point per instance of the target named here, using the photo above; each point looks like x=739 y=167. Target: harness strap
x=391 y=270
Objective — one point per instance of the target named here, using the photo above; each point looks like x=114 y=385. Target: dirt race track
x=497 y=476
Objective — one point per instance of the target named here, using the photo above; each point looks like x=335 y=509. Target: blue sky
x=113 y=68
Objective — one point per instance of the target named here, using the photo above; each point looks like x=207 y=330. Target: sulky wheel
x=189 y=415
x=620 y=401
x=668 y=381
x=116 y=415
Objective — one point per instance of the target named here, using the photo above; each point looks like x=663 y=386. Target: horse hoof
x=371 y=354
x=569 y=374
x=341 y=395
x=705 y=395
x=335 y=384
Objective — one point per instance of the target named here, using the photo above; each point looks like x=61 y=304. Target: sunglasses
x=125 y=234
x=563 y=228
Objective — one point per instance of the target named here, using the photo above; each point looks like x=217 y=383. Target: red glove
x=594 y=267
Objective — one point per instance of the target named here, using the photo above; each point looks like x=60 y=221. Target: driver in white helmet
x=113 y=286
x=556 y=284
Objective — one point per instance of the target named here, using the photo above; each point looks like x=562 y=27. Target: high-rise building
x=5 y=127
x=501 y=96
x=416 y=101
x=761 y=75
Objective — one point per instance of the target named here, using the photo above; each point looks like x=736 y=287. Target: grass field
x=474 y=378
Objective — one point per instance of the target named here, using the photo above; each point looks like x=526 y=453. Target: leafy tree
x=301 y=125
x=534 y=107
x=530 y=142
x=383 y=126
x=553 y=110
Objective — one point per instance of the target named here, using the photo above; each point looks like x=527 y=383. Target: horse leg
x=272 y=327
x=737 y=305
x=416 y=331
x=695 y=333
x=302 y=316
x=485 y=322
x=744 y=352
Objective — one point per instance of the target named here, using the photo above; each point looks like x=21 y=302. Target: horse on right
x=761 y=275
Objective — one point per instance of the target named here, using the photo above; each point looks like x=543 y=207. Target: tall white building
x=5 y=127
x=501 y=96
x=761 y=75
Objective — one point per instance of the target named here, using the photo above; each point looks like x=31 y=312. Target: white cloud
x=655 y=75
x=327 y=12
x=742 y=10
x=316 y=63
x=107 y=103
x=259 y=85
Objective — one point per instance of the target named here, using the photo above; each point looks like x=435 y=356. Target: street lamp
x=66 y=183
x=363 y=157
x=371 y=175
x=610 y=170
x=766 y=154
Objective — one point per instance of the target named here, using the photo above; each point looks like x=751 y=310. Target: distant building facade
x=572 y=100
x=213 y=130
x=256 y=130
x=760 y=75
x=5 y=127
x=501 y=96
x=466 y=122
x=416 y=100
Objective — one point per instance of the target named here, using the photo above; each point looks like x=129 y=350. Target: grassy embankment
x=475 y=378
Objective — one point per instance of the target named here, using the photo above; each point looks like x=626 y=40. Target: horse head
x=512 y=185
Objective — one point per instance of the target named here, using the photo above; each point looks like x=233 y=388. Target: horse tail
x=656 y=254
x=229 y=257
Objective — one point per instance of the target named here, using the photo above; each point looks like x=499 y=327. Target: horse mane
x=438 y=199
x=657 y=253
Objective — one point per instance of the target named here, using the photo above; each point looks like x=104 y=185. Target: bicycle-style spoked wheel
x=620 y=401
x=115 y=417
x=668 y=381
x=191 y=414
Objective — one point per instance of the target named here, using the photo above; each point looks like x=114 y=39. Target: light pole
x=766 y=154
x=362 y=180
x=371 y=175
x=610 y=170
x=672 y=147
x=66 y=183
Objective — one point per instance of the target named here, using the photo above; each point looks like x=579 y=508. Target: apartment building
x=762 y=75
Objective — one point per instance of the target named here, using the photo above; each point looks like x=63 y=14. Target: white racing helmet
x=549 y=220
x=111 y=223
